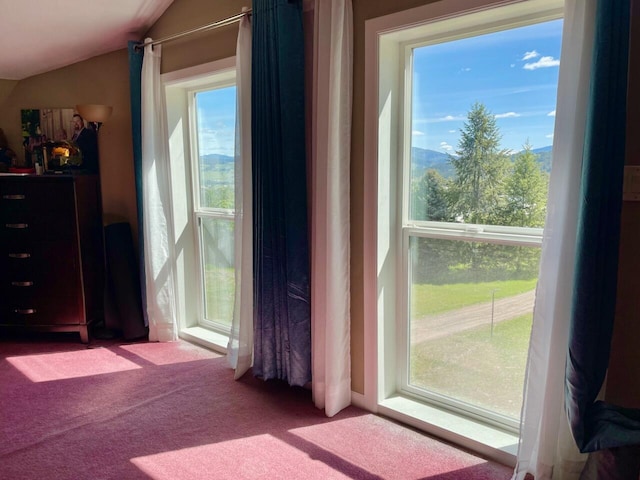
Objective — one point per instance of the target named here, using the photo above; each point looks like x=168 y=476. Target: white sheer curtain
x=156 y=202
x=547 y=448
x=331 y=147
x=240 y=346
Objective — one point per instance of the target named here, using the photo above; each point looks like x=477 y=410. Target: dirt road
x=436 y=326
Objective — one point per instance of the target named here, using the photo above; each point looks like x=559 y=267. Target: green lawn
x=475 y=366
x=219 y=293
x=430 y=299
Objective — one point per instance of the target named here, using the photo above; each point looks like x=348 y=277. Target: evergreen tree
x=429 y=198
x=526 y=192
x=480 y=169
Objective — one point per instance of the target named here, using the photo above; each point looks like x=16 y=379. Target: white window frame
x=180 y=87
x=224 y=79
x=387 y=229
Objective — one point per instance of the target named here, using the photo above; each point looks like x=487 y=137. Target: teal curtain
x=135 y=75
x=595 y=424
x=282 y=318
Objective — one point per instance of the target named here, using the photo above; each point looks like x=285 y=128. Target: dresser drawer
x=17 y=226
x=64 y=311
x=23 y=288
x=39 y=197
x=38 y=260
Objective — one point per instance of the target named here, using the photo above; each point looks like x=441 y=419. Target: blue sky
x=514 y=73
x=216 y=121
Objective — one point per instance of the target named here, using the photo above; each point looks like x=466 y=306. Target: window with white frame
x=466 y=105
x=201 y=108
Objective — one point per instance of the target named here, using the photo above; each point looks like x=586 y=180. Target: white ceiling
x=37 y=36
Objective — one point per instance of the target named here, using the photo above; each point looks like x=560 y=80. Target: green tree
x=429 y=198
x=481 y=168
x=526 y=192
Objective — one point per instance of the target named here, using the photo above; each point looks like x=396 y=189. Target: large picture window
x=464 y=134
x=476 y=170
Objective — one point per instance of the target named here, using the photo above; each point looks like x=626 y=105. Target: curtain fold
x=156 y=202
x=595 y=424
x=135 y=88
x=331 y=149
x=546 y=447
x=240 y=346
x=282 y=324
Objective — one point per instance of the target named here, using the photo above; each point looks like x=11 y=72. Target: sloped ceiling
x=38 y=36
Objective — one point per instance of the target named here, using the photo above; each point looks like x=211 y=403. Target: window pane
x=482 y=127
x=218 y=269
x=216 y=123
x=471 y=306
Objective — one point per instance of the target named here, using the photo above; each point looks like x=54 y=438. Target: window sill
x=206 y=338
x=486 y=440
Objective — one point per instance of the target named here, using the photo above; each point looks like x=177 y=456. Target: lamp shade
x=94 y=113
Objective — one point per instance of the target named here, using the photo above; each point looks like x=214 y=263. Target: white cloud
x=549 y=136
x=417 y=132
x=512 y=65
x=451 y=131
x=449 y=118
x=530 y=55
x=465 y=69
x=544 y=62
x=220 y=141
x=507 y=115
x=445 y=146
x=551 y=114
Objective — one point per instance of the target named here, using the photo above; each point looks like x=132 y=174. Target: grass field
x=475 y=366
x=429 y=299
x=219 y=293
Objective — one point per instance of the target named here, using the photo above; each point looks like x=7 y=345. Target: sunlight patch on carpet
x=166 y=353
x=64 y=365
x=255 y=457
x=380 y=446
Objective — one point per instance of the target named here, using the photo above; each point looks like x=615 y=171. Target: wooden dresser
x=51 y=254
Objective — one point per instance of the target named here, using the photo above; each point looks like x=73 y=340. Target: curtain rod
x=203 y=28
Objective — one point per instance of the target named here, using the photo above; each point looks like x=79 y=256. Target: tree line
x=490 y=186
x=487 y=187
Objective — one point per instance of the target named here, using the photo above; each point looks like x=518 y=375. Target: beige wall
x=104 y=79
x=199 y=48
x=6 y=87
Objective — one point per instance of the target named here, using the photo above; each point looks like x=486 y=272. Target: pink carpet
x=171 y=411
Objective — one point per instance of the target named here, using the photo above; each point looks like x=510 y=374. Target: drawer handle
x=24 y=311
x=17 y=225
x=22 y=284
x=13 y=197
x=19 y=255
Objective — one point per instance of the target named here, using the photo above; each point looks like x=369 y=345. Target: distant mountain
x=548 y=148
x=544 y=157
x=216 y=159
x=424 y=159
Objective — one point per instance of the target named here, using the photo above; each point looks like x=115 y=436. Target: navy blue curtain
x=135 y=74
x=282 y=318
x=597 y=425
